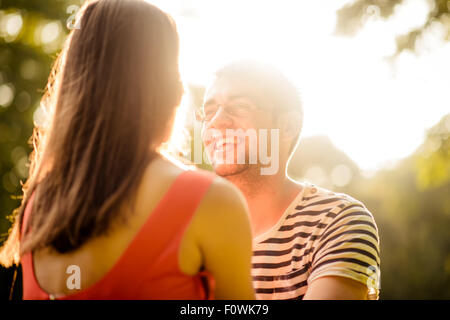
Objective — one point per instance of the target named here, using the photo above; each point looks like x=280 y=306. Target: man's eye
x=240 y=107
x=209 y=111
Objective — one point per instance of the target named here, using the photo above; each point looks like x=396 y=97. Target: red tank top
x=148 y=268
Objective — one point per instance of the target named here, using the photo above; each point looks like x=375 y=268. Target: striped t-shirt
x=322 y=233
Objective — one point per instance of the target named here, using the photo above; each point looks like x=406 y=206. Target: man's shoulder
x=315 y=196
x=319 y=201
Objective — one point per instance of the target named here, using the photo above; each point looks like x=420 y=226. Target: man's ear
x=290 y=124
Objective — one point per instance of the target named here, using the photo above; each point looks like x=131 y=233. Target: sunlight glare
x=376 y=112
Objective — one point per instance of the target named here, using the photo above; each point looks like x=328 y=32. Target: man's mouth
x=226 y=144
x=221 y=145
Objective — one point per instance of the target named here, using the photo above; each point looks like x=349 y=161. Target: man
x=309 y=243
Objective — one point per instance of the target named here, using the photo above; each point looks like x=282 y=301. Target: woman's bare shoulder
x=223 y=205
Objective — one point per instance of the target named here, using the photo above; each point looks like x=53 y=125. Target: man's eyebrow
x=213 y=101
x=240 y=96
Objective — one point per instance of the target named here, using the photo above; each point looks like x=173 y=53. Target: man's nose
x=221 y=120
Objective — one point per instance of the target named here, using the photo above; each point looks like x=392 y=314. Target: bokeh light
x=14 y=23
x=6 y=94
x=341 y=175
x=50 y=32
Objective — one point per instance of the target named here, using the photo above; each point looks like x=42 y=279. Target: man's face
x=229 y=106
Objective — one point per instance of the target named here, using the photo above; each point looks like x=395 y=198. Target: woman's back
x=155 y=254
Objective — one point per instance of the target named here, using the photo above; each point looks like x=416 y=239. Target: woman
x=104 y=215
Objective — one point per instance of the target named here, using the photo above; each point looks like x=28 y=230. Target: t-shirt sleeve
x=349 y=247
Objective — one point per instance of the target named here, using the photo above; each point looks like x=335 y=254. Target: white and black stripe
x=321 y=233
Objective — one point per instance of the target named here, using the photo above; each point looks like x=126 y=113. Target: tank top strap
x=32 y=288
x=26 y=214
x=160 y=236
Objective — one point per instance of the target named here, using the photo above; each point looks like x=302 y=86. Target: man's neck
x=268 y=196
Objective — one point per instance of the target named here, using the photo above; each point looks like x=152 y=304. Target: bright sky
x=374 y=111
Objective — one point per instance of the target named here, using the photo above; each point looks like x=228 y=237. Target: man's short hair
x=270 y=87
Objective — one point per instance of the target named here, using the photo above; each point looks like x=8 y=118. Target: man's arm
x=346 y=260
x=335 y=288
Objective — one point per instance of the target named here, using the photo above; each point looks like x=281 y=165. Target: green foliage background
x=410 y=202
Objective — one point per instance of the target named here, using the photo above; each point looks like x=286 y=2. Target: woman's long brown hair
x=110 y=102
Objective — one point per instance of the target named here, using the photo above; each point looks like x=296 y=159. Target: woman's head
x=111 y=99
x=119 y=73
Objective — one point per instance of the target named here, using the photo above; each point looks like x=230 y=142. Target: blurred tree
x=335 y=171
x=433 y=167
x=411 y=204
x=353 y=16
x=31 y=34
